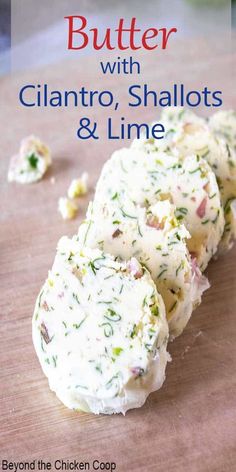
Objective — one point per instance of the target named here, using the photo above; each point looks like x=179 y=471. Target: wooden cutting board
x=190 y=424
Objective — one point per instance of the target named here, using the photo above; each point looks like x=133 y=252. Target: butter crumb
x=31 y=162
x=78 y=187
x=67 y=208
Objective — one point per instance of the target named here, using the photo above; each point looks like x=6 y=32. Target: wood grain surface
x=190 y=424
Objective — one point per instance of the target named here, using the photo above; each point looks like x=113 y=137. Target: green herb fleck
x=127 y=215
x=117 y=351
x=217 y=216
x=179 y=268
x=75 y=296
x=195 y=170
x=148 y=347
x=33 y=161
x=121 y=288
x=108 y=329
x=98 y=368
x=77 y=325
x=173 y=306
x=87 y=230
x=212 y=196
x=161 y=273
x=182 y=210
x=111 y=315
x=133 y=332
x=155 y=310
x=227 y=207
x=111 y=381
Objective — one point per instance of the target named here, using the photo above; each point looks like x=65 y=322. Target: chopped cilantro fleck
x=155 y=310
x=33 y=161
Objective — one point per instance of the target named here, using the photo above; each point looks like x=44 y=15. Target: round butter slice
x=214 y=141
x=223 y=125
x=100 y=331
x=157 y=239
x=190 y=184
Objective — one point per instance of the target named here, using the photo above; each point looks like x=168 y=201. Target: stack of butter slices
x=131 y=278
x=214 y=141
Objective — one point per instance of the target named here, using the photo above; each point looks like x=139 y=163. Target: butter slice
x=100 y=331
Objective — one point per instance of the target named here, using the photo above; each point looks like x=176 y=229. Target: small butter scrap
x=31 y=163
x=67 y=208
x=78 y=187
